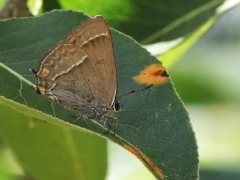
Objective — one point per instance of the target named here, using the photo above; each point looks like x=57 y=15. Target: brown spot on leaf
x=154 y=74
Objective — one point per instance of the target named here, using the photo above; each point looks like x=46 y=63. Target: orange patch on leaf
x=154 y=74
x=145 y=160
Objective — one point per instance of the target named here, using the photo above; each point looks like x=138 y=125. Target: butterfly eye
x=116 y=106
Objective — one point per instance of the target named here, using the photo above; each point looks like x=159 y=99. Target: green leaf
x=1 y=3
x=170 y=57
x=50 y=5
x=153 y=122
x=46 y=148
x=149 y=21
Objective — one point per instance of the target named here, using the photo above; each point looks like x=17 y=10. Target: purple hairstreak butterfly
x=79 y=73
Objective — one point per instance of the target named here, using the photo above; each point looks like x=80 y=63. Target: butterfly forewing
x=94 y=38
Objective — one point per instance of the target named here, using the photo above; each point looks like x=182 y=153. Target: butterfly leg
x=109 y=123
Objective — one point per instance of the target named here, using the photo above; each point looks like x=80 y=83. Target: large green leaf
x=153 y=122
x=46 y=148
x=148 y=21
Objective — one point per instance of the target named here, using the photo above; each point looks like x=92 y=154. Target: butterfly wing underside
x=81 y=68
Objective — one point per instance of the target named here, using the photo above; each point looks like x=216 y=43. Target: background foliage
x=206 y=77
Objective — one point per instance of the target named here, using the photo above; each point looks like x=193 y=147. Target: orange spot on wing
x=145 y=160
x=154 y=74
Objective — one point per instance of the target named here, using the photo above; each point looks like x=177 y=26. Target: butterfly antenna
x=134 y=91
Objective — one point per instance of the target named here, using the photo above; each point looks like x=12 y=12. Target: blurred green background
x=207 y=78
